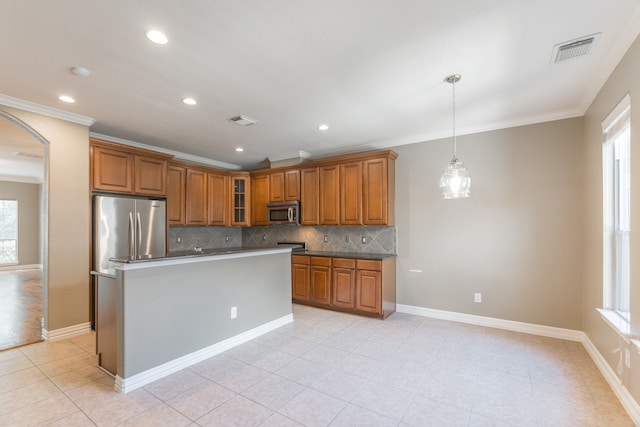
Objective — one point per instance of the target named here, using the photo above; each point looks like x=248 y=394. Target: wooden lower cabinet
x=346 y=284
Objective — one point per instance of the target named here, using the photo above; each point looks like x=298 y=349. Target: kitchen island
x=175 y=311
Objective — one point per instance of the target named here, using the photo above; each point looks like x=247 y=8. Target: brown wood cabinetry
x=309 y=197
x=196 y=197
x=259 y=199
x=217 y=199
x=343 y=286
x=240 y=199
x=378 y=184
x=276 y=187
x=300 y=278
x=329 y=193
x=358 y=286
x=292 y=185
x=320 y=279
x=351 y=193
x=121 y=169
x=176 y=187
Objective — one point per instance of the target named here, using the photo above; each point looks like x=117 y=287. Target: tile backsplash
x=205 y=237
x=379 y=239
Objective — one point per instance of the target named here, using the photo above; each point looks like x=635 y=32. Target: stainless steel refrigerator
x=127 y=227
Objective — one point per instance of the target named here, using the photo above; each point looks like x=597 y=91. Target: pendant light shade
x=455 y=182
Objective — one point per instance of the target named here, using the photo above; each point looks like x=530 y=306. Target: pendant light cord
x=454 y=121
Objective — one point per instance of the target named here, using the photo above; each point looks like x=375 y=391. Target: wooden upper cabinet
x=240 y=199
x=218 y=199
x=309 y=197
x=122 y=169
x=176 y=186
x=329 y=193
x=292 y=185
x=276 y=187
x=378 y=182
x=259 y=199
x=196 y=198
x=112 y=169
x=351 y=193
x=150 y=176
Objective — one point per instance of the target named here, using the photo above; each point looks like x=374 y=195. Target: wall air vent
x=243 y=120
x=574 y=49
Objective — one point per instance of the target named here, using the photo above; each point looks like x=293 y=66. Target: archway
x=19 y=139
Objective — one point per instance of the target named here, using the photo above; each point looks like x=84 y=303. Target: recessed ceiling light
x=67 y=99
x=239 y=149
x=189 y=101
x=157 y=37
x=323 y=127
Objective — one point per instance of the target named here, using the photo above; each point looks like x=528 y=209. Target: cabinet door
x=259 y=199
x=240 y=201
x=309 y=201
x=329 y=184
x=369 y=291
x=150 y=176
x=344 y=287
x=320 y=284
x=292 y=185
x=300 y=282
x=276 y=187
x=112 y=170
x=351 y=193
x=218 y=199
x=176 y=177
x=196 y=197
x=376 y=192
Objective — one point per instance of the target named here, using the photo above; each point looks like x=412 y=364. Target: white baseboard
x=68 y=332
x=491 y=322
x=125 y=385
x=21 y=267
x=628 y=402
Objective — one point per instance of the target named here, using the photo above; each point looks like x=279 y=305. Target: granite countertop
x=350 y=255
x=189 y=253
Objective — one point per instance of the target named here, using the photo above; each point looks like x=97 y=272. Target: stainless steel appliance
x=127 y=227
x=284 y=212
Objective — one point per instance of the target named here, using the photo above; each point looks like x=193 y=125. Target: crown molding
x=45 y=111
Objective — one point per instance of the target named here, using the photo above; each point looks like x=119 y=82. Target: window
x=616 y=153
x=8 y=231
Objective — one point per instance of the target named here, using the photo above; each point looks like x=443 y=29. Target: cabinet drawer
x=320 y=260
x=366 y=264
x=299 y=259
x=343 y=263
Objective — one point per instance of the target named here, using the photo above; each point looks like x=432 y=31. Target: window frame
x=16 y=259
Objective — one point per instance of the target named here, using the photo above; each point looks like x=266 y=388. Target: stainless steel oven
x=284 y=212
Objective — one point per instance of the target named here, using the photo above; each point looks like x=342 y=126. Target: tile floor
x=326 y=368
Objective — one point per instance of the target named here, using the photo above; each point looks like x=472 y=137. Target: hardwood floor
x=21 y=309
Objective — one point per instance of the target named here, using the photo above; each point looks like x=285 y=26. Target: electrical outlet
x=347 y=239
x=364 y=240
x=234 y=312
x=477 y=297
x=178 y=239
x=226 y=238
x=264 y=237
x=326 y=239
x=627 y=358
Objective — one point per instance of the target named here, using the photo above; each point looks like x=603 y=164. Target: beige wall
x=624 y=79
x=517 y=240
x=29 y=214
x=67 y=264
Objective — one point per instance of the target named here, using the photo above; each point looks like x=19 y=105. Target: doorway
x=23 y=226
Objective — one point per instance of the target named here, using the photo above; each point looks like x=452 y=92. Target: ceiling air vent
x=243 y=120
x=574 y=49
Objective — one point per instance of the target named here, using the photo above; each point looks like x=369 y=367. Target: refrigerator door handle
x=131 y=236
x=139 y=234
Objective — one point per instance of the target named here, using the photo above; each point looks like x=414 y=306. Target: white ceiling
x=372 y=70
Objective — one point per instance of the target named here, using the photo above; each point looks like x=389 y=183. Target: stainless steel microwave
x=284 y=212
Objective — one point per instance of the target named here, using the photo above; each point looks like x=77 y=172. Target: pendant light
x=455 y=182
